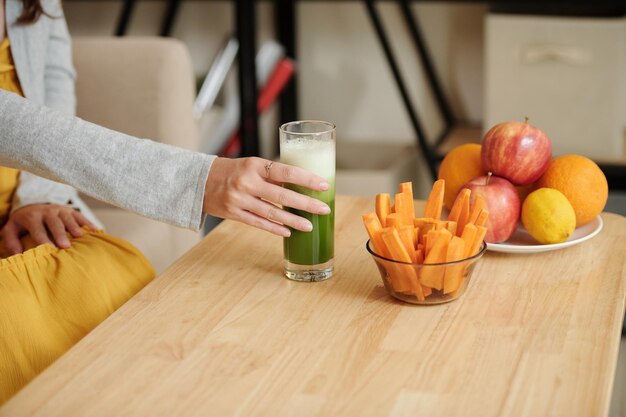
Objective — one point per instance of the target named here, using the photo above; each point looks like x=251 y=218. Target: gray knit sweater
x=155 y=180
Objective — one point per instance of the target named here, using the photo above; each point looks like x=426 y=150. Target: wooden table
x=222 y=333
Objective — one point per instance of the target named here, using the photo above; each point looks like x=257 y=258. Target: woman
x=52 y=296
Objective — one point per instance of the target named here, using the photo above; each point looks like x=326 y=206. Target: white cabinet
x=566 y=74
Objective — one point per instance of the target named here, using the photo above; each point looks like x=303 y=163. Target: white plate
x=522 y=242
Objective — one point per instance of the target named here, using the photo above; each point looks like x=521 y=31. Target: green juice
x=317 y=246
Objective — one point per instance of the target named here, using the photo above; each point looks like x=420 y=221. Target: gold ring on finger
x=268 y=167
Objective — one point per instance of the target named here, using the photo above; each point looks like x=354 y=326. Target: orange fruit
x=583 y=183
x=461 y=165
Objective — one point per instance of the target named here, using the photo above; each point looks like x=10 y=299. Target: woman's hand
x=43 y=222
x=246 y=190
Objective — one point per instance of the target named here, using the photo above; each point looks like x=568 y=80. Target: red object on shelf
x=283 y=72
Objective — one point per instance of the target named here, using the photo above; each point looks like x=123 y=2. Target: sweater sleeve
x=155 y=180
x=59 y=79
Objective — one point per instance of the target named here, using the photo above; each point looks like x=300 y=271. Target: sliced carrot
x=478 y=240
x=406 y=188
x=482 y=218
x=406 y=235
x=374 y=230
x=421 y=221
x=469 y=234
x=429 y=240
x=463 y=217
x=432 y=276
x=434 y=204
x=383 y=207
x=453 y=274
x=373 y=227
x=477 y=205
x=416 y=233
x=424 y=232
x=404 y=207
x=426 y=291
x=451 y=226
x=399 y=253
x=459 y=202
x=481 y=231
x=393 y=220
x=419 y=256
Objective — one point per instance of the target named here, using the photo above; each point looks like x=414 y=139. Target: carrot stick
x=383 y=207
x=469 y=234
x=453 y=274
x=463 y=217
x=393 y=220
x=406 y=236
x=432 y=276
x=434 y=204
x=478 y=240
x=459 y=202
x=428 y=227
x=421 y=221
x=481 y=231
x=451 y=226
x=399 y=253
x=373 y=227
x=482 y=217
x=426 y=290
x=429 y=241
x=419 y=256
x=416 y=233
x=374 y=230
x=478 y=204
x=404 y=208
x=406 y=188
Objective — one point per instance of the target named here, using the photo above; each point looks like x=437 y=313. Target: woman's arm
x=155 y=180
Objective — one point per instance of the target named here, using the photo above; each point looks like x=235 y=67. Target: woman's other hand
x=46 y=223
x=246 y=190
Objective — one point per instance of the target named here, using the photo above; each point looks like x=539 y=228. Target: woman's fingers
x=37 y=230
x=262 y=223
x=71 y=224
x=57 y=229
x=276 y=214
x=288 y=198
x=11 y=237
x=282 y=173
x=82 y=221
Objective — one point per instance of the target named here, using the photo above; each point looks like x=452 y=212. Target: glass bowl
x=449 y=280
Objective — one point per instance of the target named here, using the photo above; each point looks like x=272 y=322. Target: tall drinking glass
x=310 y=145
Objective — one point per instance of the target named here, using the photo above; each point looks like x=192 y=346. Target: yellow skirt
x=50 y=298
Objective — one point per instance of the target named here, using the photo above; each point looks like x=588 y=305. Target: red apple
x=516 y=151
x=503 y=203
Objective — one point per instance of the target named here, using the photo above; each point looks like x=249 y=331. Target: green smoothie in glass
x=311 y=145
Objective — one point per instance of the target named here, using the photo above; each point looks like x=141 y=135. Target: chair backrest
x=140 y=86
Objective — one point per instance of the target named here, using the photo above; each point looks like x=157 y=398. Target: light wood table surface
x=222 y=333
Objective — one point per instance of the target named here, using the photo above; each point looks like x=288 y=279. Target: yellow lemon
x=548 y=216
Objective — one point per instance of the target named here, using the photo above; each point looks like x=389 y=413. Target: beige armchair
x=143 y=87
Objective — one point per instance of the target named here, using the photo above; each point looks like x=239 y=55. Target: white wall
x=343 y=76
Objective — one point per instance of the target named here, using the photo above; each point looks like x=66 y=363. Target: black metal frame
x=124 y=19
